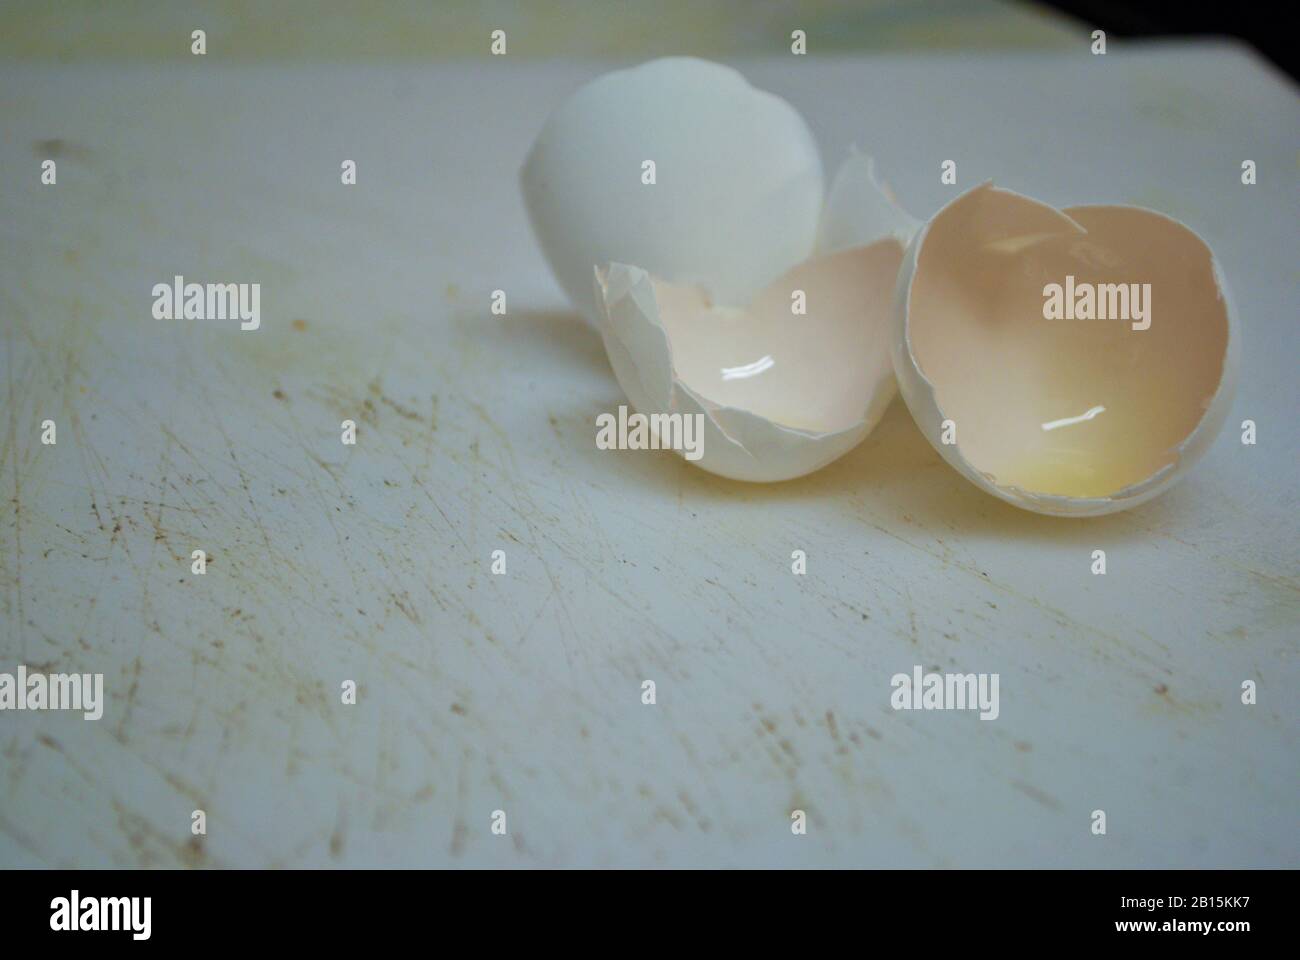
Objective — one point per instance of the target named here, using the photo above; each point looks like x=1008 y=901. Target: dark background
x=1264 y=25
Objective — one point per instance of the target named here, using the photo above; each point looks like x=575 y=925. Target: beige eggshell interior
x=817 y=371
x=1065 y=407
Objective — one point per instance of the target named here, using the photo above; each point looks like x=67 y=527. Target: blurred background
x=286 y=30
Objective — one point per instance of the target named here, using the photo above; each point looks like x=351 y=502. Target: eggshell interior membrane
x=1065 y=407
x=781 y=394
x=738 y=189
x=815 y=372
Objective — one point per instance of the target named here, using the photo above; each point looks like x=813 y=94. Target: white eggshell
x=780 y=395
x=1070 y=417
x=738 y=189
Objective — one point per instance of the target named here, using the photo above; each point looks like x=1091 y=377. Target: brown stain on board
x=58 y=148
x=1037 y=795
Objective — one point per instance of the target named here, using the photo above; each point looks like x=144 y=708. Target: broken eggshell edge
x=860 y=209
x=920 y=394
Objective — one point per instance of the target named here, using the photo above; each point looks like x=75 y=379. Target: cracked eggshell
x=861 y=209
x=738 y=189
x=780 y=395
x=1071 y=417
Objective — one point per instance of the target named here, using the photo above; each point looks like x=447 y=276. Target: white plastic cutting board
x=476 y=433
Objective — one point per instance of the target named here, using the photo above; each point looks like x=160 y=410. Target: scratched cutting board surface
x=476 y=433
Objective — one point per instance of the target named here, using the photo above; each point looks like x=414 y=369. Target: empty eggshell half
x=1078 y=360
x=780 y=395
x=680 y=166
